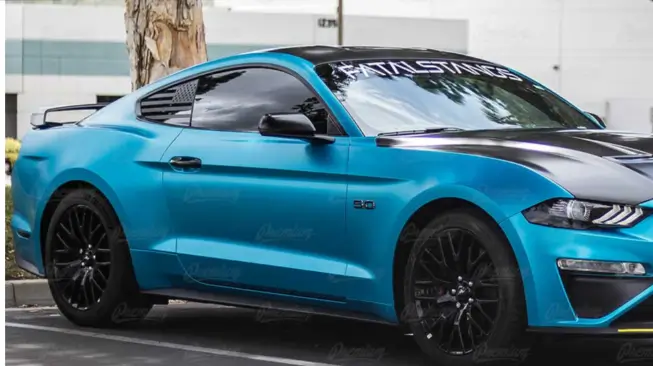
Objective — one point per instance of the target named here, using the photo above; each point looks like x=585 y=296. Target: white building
x=596 y=53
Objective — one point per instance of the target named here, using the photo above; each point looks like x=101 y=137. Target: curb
x=27 y=292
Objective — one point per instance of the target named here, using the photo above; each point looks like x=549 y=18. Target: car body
x=314 y=221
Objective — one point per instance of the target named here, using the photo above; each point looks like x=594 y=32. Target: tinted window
x=386 y=96
x=236 y=100
x=171 y=105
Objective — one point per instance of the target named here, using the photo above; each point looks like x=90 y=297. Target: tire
x=498 y=291
x=90 y=292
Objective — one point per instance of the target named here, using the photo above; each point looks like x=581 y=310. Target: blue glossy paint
x=547 y=301
x=273 y=217
x=294 y=193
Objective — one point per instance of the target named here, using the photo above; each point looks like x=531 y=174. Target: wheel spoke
x=70 y=234
x=82 y=286
x=90 y=287
x=487 y=301
x=473 y=322
x=460 y=335
x=75 y=289
x=451 y=338
x=432 y=256
x=67 y=248
x=68 y=264
x=88 y=224
x=472 y=263
x=91 y=234
x=444 y=258
x=99 y=241
x=454 y=280
x=480 y=310
x=84 y=289
x=431 y=274
x=470 y=334
x=78 y=226
x=486 y=284
x=455 y=254
x=103 y=277
x=95 y=283
x=63 y=274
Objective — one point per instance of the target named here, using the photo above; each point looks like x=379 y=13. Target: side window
x=172 y=105
x=236 y=100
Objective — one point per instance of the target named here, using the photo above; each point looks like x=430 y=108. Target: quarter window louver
x=173 y=105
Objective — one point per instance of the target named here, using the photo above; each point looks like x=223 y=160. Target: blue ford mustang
x=444 y=193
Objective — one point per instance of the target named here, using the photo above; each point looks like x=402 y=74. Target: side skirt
x=259 y=303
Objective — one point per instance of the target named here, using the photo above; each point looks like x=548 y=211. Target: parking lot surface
x=194 y=334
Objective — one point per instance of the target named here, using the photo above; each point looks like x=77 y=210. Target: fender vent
x=173 y=105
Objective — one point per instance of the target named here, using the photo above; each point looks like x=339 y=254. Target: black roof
x=328 y=54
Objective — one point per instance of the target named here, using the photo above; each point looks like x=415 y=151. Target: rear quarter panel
x=120 y=159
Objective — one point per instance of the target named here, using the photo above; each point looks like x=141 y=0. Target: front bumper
x=575 y=302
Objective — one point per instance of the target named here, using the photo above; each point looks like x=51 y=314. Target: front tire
x=463 y=292
x=88 y=266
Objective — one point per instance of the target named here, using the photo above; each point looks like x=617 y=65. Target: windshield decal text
x=410 y=67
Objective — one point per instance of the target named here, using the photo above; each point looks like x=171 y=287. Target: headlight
x=568 y=213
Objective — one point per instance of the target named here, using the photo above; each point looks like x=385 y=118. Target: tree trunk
x=163 y=36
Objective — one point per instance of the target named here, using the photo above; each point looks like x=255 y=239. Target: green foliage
x=12 y=146
x=12 y=272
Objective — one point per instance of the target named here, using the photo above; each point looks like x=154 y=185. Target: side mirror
x=293 y=125
x=597 y=119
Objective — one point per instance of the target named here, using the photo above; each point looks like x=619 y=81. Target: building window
x=107 y=98
x=11 y=115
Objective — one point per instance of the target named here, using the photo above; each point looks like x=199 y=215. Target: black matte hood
x=591 y=164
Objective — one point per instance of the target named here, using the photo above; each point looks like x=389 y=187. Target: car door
x=252 y=211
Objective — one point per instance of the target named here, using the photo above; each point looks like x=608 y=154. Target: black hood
x=596 y=165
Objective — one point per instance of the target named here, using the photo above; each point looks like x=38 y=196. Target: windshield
x=389 y=96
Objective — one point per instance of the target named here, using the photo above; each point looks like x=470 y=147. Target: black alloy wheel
x=81 y=257
x=88 y=263
x=463 y=294
x=455 y=291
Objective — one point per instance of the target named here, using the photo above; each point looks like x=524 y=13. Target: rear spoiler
x=40 y=119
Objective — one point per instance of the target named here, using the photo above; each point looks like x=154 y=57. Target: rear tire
x=88 y=265
x=463 y=293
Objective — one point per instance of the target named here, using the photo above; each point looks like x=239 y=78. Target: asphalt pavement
x=194 y=334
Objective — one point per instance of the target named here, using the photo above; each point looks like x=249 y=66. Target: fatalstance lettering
x=411 y=67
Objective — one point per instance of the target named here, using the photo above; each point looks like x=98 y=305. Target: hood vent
x=632 y=159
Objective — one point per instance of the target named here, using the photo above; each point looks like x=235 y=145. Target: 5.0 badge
x=368 y=205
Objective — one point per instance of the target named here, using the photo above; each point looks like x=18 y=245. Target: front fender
x=401 y=181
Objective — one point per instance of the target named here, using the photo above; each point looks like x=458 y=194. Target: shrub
x=12 y=272
x=12 y=146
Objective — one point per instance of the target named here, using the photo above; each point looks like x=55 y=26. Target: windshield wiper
x=420 y=132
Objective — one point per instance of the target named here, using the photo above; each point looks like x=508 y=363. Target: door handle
x=186 y=162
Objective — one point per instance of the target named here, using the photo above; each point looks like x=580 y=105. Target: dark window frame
x=109 y=98
x=197 y=76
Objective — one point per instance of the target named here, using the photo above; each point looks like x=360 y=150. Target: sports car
x=451 y=196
